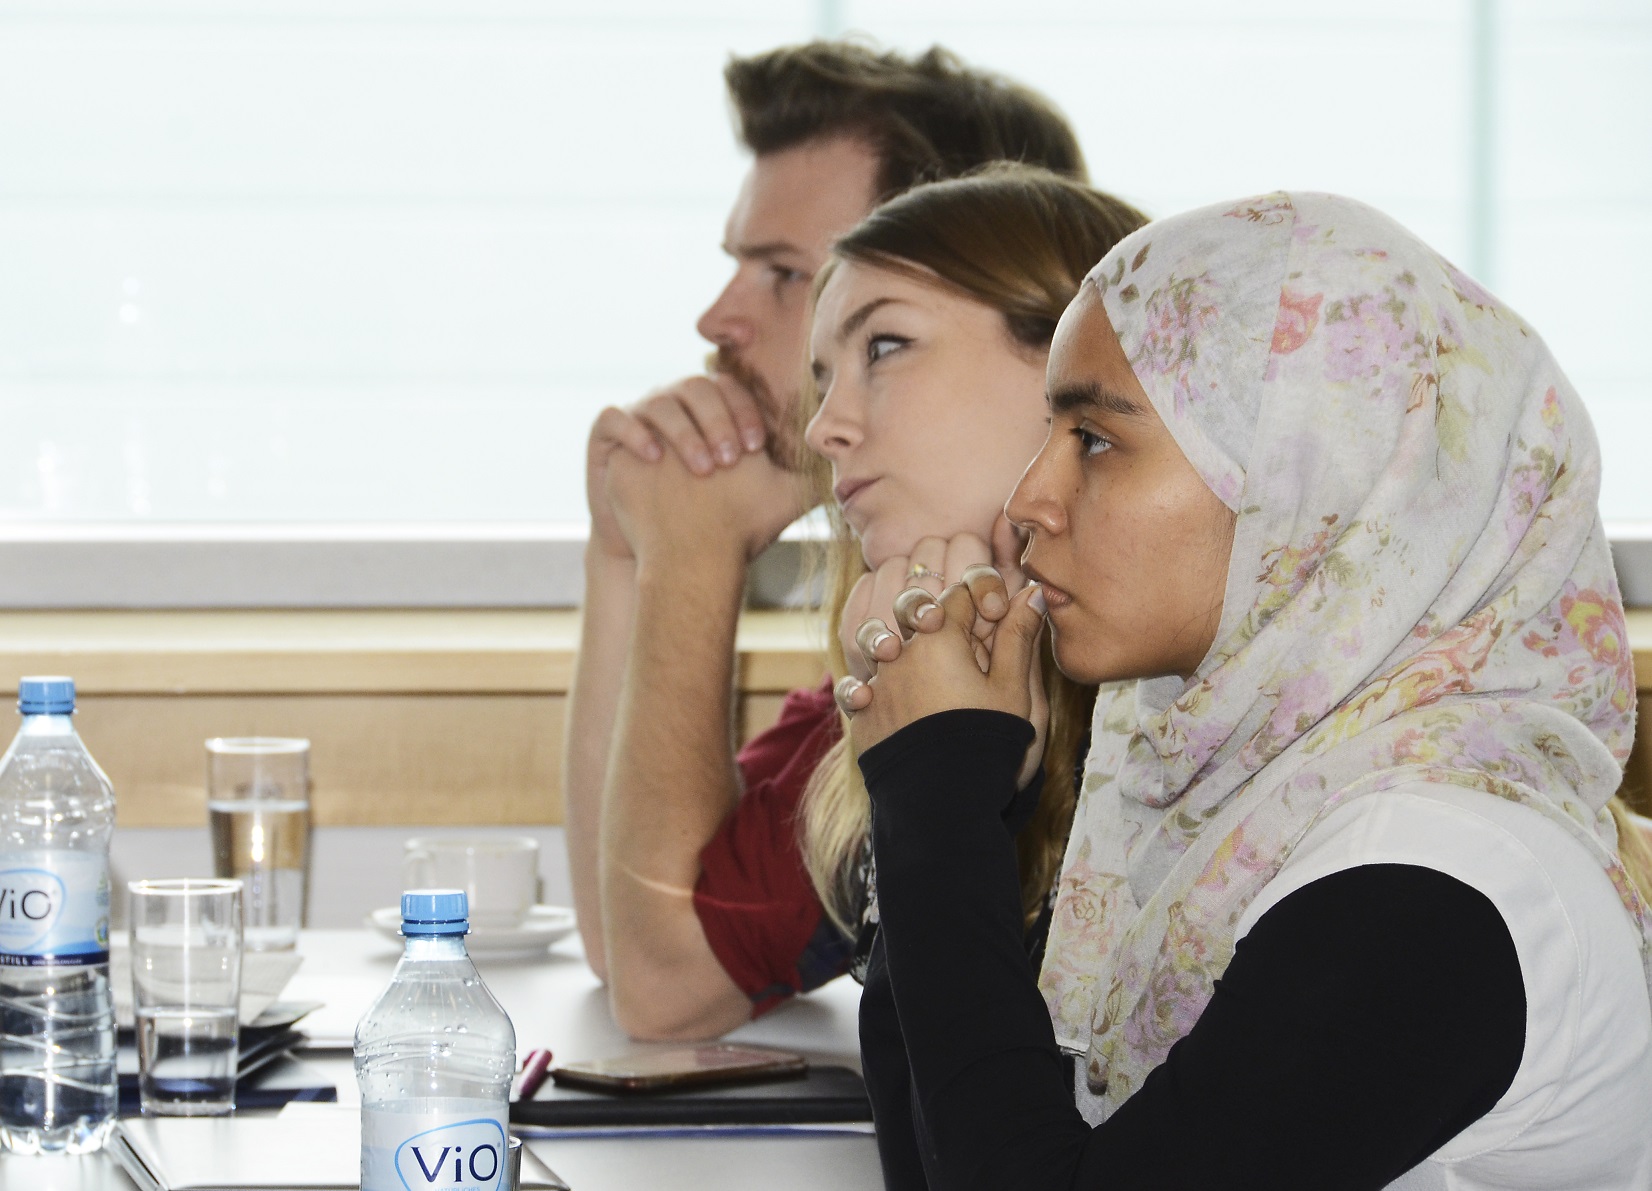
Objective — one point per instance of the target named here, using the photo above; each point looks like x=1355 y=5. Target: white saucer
x=543 y=926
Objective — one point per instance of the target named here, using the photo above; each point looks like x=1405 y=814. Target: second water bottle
x=57 y=1018
x=434 y=1059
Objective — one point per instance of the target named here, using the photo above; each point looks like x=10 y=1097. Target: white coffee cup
x=499 y=874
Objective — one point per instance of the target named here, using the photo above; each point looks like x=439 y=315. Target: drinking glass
x=513 y=1164
x=186 y=994
x=258 y=802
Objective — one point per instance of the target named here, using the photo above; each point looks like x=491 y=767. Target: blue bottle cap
x=51 y=695
x=435 y=912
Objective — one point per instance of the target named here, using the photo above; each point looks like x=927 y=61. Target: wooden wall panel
x=1637 y=777
x=432 y=717
x=417 y=718
x=375 y=759
x=757 y=713
x=379 y=759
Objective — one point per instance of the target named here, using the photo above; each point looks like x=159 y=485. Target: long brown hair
x=1634 y=846
x=1020 y=240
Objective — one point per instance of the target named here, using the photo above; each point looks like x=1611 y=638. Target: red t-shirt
x=760 y=913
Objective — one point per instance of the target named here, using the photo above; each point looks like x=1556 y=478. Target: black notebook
x=822 y=1096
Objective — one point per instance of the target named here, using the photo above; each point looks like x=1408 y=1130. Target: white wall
x=356 y=259
x=1184 y=102
x=383 y=259
x=1575 y=219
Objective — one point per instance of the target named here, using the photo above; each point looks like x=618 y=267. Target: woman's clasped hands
x=973 y=644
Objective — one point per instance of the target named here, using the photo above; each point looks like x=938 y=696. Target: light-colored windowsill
x=505 y=565
x=436 y=717
x=388 y=651
x=380 y=651
x=446 y=565
x=1632 y=557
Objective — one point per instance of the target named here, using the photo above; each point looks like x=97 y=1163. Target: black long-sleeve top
x=1363 y=1022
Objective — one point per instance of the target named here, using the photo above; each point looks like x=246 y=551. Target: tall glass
x=258 y=802
x=186 y=994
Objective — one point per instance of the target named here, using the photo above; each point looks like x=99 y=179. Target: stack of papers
x=342 y=1000
x=267 y=1075
x=263 y=975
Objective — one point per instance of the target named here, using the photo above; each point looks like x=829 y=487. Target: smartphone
x=684 y=1066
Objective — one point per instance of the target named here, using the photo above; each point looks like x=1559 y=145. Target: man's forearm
x=593 y=706
x=671 y=782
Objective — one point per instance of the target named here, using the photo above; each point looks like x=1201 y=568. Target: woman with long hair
x=1346 y=902
x=920 y=421
x=929 y=341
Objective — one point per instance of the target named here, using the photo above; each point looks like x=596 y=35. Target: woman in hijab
x=1344 y=904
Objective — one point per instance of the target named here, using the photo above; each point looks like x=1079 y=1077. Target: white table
x=556 y=1002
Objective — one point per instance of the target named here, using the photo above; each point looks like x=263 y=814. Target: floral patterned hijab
x=1419 y=589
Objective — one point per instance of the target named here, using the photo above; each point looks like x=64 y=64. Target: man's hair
x=927 y=118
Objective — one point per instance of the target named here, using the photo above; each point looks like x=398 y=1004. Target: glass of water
x=258 y=802
x=186 y=993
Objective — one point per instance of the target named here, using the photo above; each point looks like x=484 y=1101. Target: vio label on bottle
x=54 y=909
x=465 y=1156
x=31 y=900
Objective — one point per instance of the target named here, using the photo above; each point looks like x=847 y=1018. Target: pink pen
x=532 y=1075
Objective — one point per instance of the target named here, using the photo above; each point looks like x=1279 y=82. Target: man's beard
x=783 y=441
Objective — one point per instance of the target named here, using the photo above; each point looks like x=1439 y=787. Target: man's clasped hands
x=914 y=645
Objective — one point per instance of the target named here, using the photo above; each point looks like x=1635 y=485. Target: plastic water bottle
x=57 y=1019
x=434 y=1060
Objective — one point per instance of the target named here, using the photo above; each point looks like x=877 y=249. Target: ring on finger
x=919 y=571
